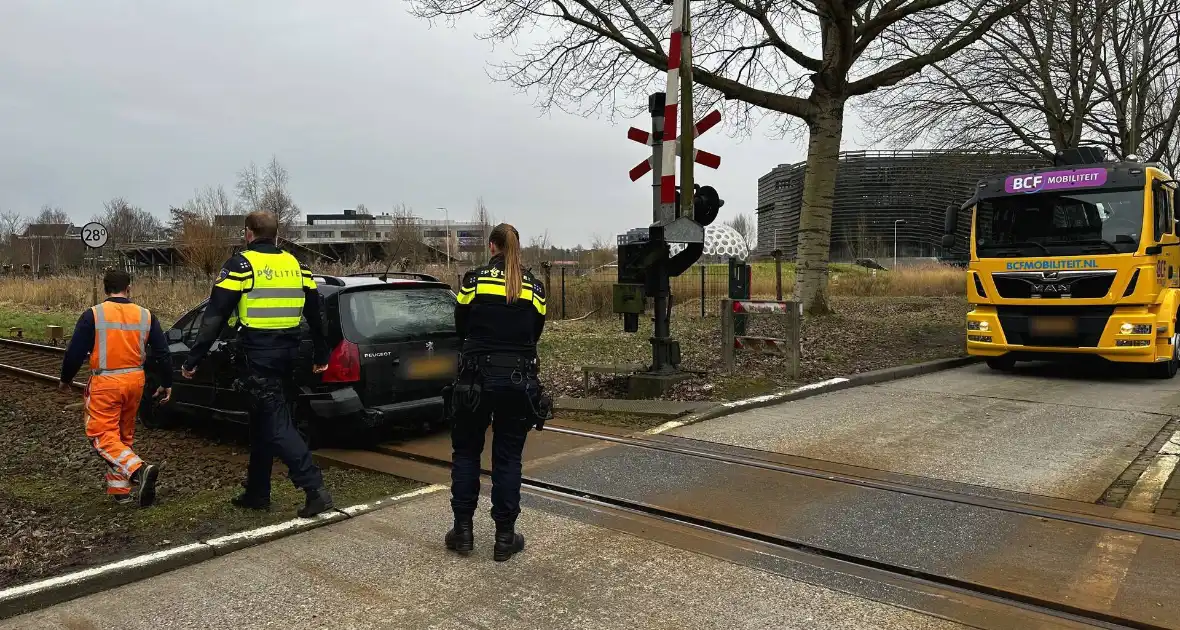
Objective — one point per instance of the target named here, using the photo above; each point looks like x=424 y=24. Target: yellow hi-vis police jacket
x=488 y=323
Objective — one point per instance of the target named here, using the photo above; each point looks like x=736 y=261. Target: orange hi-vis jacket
x=120 y=338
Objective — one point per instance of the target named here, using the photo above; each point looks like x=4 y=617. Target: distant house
x=48 y=246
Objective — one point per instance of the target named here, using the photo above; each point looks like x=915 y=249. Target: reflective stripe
x=263 y=312
x=101 y=326
x=102 y=372
x=276 y=293
x=118 y=484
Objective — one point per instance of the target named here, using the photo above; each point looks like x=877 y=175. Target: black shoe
x=122 y=499
x=145 y=493
x=248 y=502
x=318 y=501
x=461 y=538
x=507 y=544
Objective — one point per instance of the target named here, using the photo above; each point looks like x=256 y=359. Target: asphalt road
x=1050 y=431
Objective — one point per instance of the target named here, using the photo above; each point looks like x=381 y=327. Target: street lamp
x=895 y=224
x=447 y=219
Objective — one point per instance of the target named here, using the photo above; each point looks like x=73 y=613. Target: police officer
x=499 y=318
x=264 y=291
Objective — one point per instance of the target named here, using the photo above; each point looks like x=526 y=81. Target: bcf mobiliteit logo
x=1051 y=265
x=1055 y=180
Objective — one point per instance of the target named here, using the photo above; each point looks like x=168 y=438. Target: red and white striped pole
x=668 y=164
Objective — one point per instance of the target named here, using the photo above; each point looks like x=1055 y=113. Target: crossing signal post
x=645 y=262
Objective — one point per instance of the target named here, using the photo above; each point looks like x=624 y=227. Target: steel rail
x=815 y=554
x=1003 y=505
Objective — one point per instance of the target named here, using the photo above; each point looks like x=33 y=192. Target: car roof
x=329 y=284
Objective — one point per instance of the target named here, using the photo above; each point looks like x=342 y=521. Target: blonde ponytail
x=507 y=240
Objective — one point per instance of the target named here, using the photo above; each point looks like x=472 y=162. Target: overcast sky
x=150 y=99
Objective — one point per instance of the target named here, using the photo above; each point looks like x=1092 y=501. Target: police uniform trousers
x=505 y=406
x=272 y=429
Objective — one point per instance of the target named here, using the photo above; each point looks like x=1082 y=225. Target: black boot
x=145 y=480
x=508 y=543
x=318 y=501
x=248 y=502
x=461 y=538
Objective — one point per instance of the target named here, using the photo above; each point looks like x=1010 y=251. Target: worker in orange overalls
x=117 y=335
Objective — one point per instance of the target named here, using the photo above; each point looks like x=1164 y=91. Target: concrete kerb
x=34 y=595
x=815 y=389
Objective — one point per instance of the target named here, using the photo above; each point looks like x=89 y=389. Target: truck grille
x=1054 y=285
x=1017 y=323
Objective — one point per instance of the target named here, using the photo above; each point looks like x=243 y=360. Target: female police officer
x=499 y=318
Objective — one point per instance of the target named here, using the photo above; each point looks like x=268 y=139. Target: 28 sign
x=94 y=235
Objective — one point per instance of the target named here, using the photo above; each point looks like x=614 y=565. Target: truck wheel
x=1167 y=369
x=1002 y=364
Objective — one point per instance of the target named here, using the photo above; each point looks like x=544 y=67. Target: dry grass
x=583 y=294
x=593 y=293
x=72 y=294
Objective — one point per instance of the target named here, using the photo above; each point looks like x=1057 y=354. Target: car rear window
x=396 y=314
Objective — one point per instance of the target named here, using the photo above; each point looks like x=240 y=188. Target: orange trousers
x=111 y=404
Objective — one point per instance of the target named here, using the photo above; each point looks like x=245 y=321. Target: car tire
x=152 y=414
x=1001 y=364
x=1167 y=369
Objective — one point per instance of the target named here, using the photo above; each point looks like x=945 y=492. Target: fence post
x=727 y=333
x=703 y=290
x=794 y=337
x=778 y=275
x=548 y=267
x=563 y=292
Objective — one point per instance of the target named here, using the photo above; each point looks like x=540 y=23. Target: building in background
x=875 y=190
x=46 y=247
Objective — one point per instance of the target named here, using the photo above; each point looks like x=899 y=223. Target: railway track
x=658 y=510
x=35 y=361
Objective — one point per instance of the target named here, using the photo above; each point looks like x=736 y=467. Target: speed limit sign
x=94 y=235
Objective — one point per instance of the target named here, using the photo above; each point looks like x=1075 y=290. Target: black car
x=393 y=348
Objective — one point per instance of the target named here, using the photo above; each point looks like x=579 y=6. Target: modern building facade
x=878 y=192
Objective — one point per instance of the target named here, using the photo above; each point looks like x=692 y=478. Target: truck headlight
x=977 y=325
x=1136 y=329
x=1126 y=328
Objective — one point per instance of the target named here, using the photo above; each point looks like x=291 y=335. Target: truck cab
x=1079 y=258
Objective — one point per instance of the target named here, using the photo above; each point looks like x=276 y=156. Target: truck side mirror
x=950 y=224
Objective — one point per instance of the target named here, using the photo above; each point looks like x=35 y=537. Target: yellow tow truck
x=1082 y=258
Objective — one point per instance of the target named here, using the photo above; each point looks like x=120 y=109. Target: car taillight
x=344 y=364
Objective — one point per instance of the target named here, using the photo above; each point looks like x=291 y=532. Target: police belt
x=501 y=362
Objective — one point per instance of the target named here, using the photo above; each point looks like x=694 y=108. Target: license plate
x=427 y=368
x=1053 y=326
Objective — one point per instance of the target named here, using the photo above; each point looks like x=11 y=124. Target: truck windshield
x=1107 y=221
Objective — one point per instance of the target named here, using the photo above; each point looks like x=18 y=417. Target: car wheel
x=1002 y=364
x=152 y=414
x=1167 y=369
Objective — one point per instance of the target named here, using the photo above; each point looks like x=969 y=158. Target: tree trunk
x=815 y=218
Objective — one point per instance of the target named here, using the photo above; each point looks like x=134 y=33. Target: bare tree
x=404 y=245
x=599 y=55
x=742 y=224
x=126 y=223
x=1140 y=80
x=483 y=218
x=1029 y=83
x=52 y=215
x=266 y=189
x=537 y=251
x=11 y=225
x=201 y=242
x=1054 y=76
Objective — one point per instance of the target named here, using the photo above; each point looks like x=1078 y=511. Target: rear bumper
x=344 y=406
